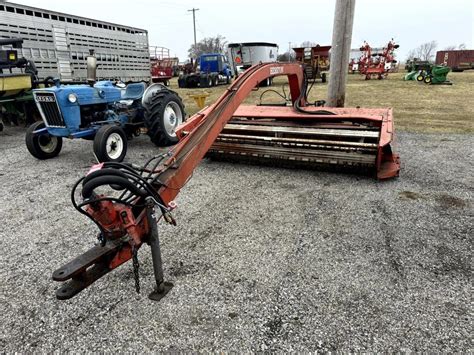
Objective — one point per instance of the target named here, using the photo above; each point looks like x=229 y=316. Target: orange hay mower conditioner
x=300 y=133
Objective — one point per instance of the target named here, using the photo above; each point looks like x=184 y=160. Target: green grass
x=417 y=107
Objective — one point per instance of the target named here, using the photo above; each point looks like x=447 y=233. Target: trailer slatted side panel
x=59 y=44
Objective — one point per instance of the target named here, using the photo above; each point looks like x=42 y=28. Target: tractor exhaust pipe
x=91 y=68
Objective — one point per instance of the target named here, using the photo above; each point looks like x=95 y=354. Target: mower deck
x=348 y=137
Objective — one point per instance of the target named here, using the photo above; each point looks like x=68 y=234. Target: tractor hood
x=103 y=92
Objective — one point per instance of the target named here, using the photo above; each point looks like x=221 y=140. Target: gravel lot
x=262 y=258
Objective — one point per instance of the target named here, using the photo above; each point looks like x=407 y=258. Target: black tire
x=44 y=146
x=205 y=81
x=227 y=80
x=1 y=125
x=323 y=77
x=110 y=144
x=214 y=80
x=181 y=82
x=158 y=119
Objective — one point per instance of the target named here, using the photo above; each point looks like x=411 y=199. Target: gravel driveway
x=262 y=258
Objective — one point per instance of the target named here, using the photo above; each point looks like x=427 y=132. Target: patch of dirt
x=447 y=201
x=410 y=195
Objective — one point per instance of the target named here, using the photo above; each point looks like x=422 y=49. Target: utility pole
x=194 y=23
x=340 y=51
x=289 y=51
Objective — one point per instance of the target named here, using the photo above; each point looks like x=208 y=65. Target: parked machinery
x=315 y=61
x=105 y=112
x=457 y=60
x=18 y=76
x=163 y=66
x=297 y=133
x=209 y=70
x=377 y=64
x=244 y=55
x=430 y=74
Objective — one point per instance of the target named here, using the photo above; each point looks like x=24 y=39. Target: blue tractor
x=214 y=69
x=106 y=113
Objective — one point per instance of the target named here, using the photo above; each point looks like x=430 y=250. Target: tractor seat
x=133 y=91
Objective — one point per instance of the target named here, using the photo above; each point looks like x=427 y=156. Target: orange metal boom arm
x=199 y=133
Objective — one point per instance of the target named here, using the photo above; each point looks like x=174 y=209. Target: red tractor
x=377 y=64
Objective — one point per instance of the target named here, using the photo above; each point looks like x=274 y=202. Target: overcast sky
x=169 y=24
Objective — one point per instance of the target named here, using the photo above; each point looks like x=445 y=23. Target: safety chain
x=136 y=266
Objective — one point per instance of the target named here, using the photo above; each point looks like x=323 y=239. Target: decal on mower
x=276 y=70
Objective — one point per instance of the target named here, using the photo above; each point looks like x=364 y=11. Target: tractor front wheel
x=164 y=111
x=42 y=146
x=110 y=143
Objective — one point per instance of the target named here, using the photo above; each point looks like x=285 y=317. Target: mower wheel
x=164 y=111
x=42 y=146
x=110 y=143
x=427 y=79
x=420 y=77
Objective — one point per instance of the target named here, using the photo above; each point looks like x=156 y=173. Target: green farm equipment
x=432 y=74
x=438 y=75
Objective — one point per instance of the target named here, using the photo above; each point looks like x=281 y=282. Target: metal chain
x=136 y=266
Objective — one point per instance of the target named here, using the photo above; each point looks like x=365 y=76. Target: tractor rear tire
x=110 y=144
x=43 y=146
x=164 y=111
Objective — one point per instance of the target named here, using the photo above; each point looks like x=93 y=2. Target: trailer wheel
x=110 y=143
x=164 y=111
x=42 y=146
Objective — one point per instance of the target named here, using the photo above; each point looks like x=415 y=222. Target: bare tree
x=426 y=51
x=308 y=44
x=411 y=55
x=286 y=57
x=450 y=48
x=453 y=47
x=208 y=45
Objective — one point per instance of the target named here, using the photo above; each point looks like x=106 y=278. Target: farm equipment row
x=299 y=133
x=376 y=64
